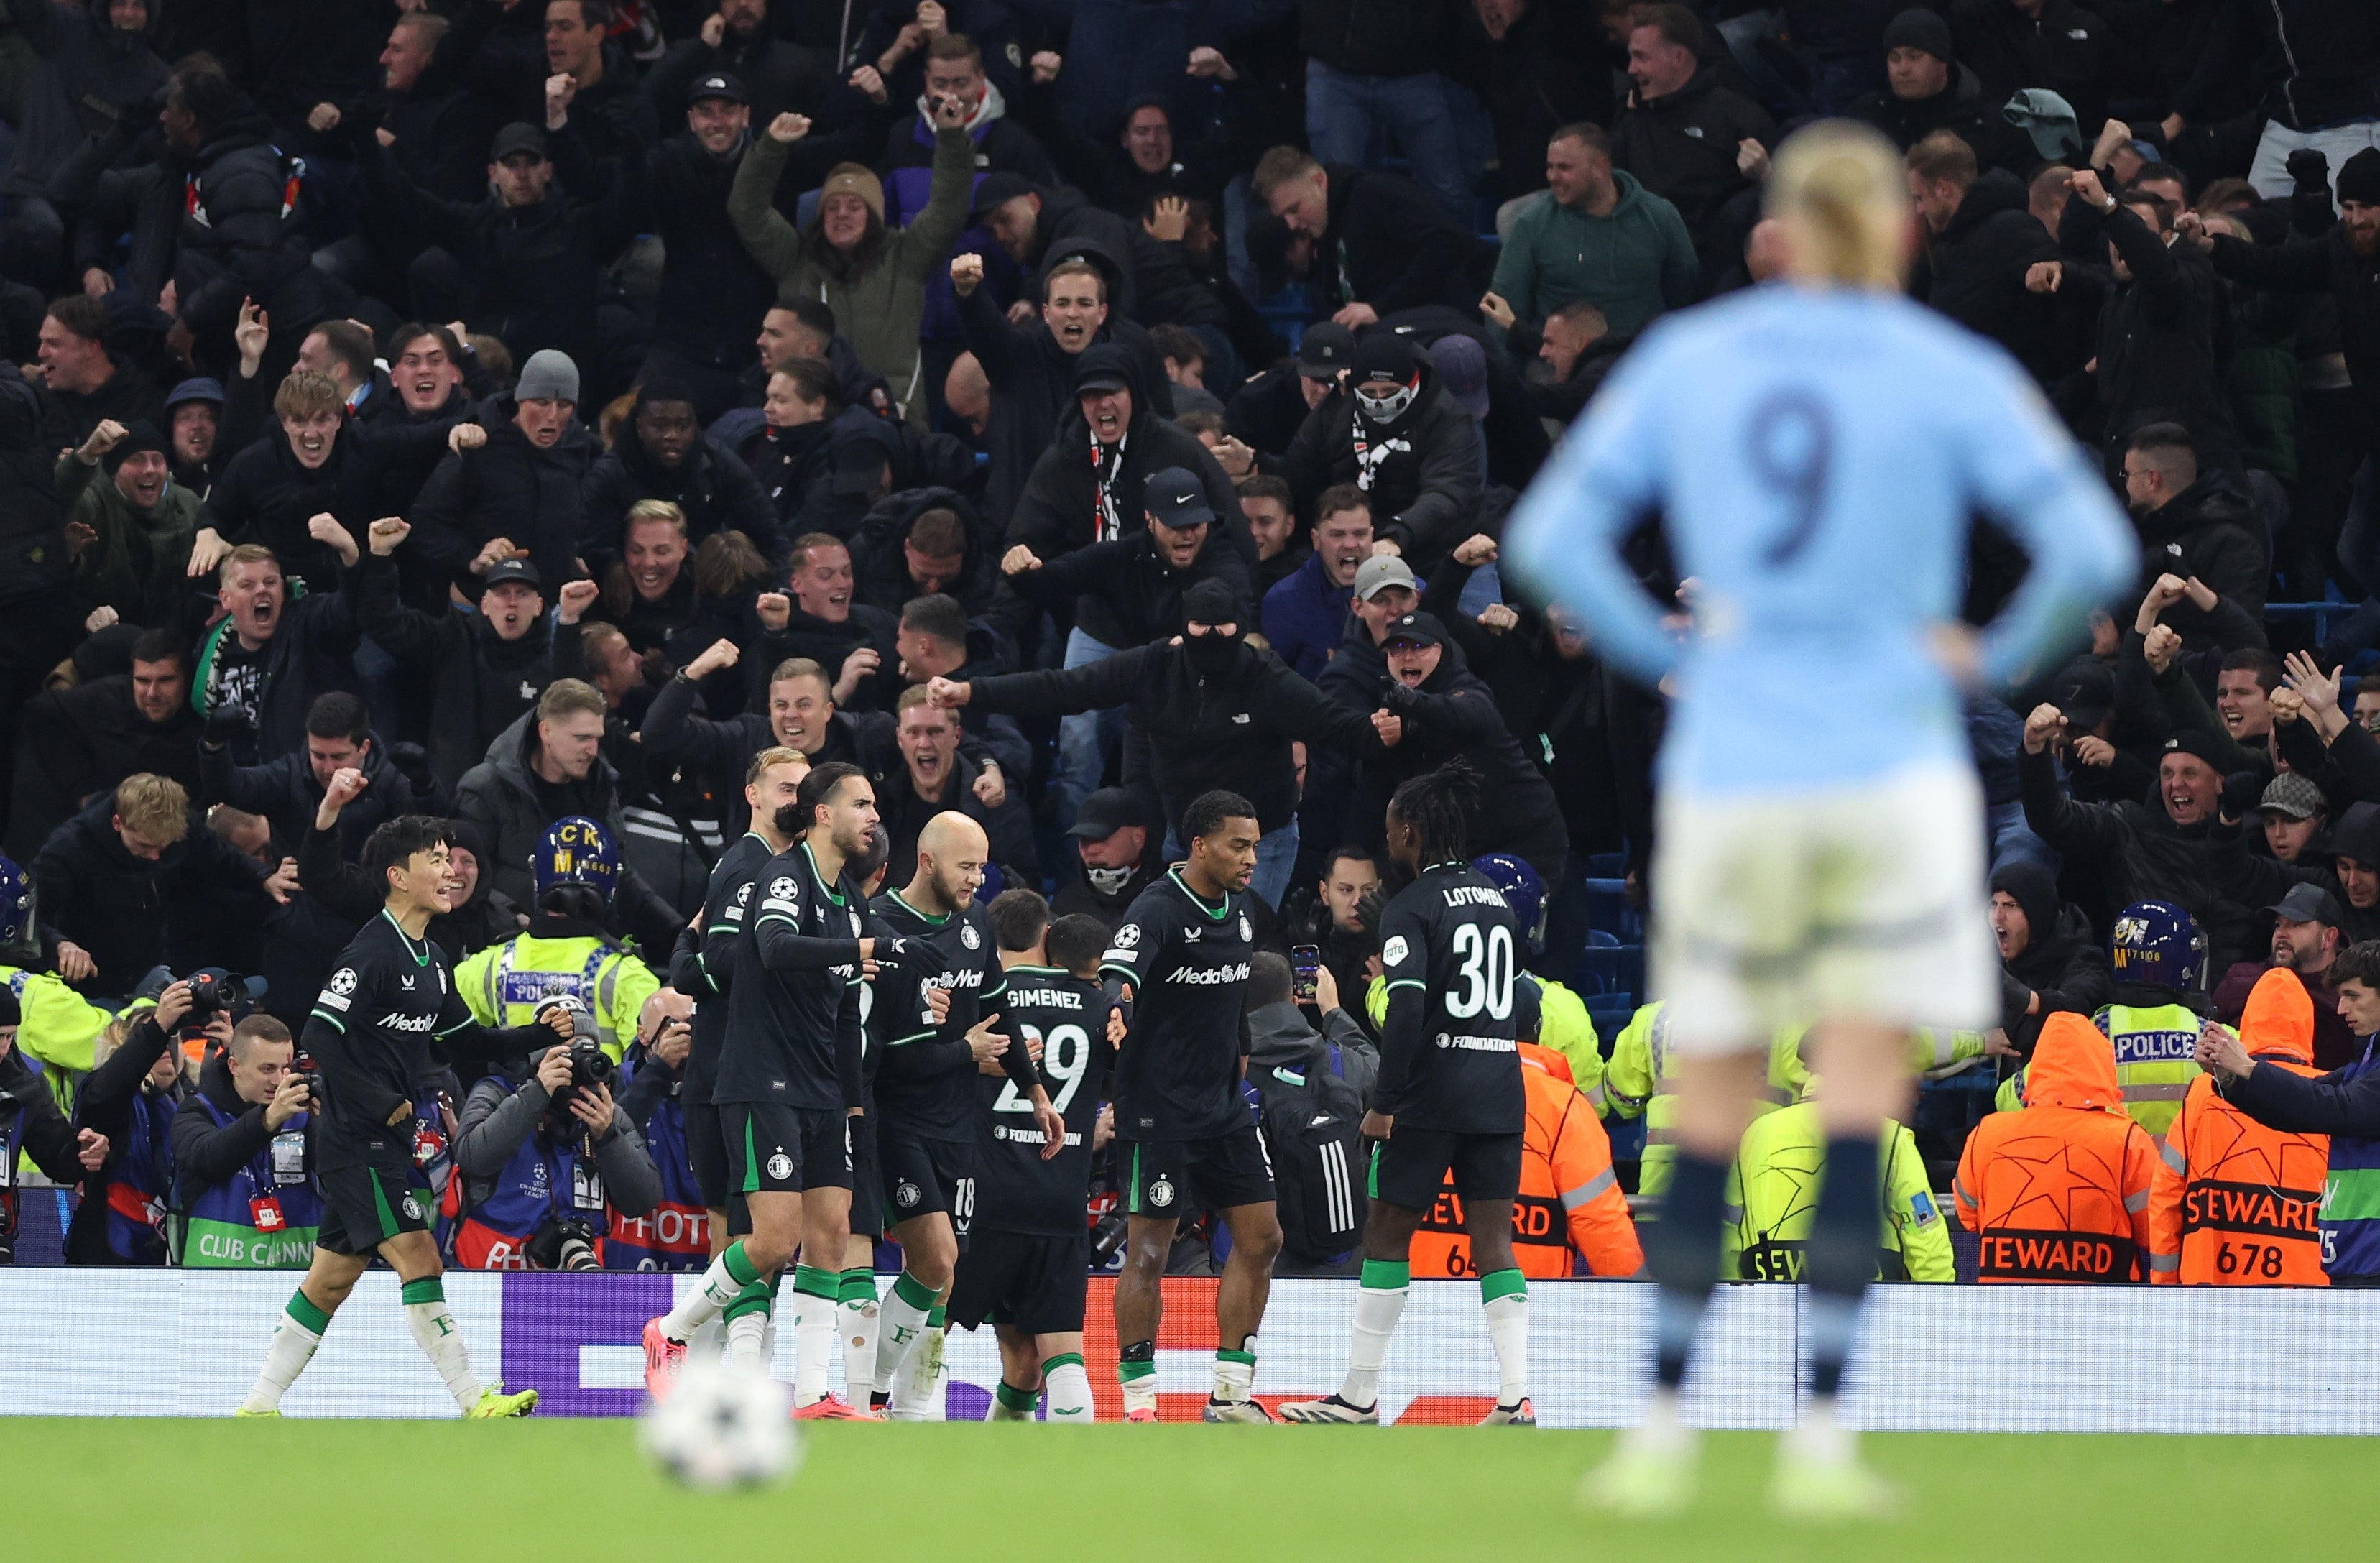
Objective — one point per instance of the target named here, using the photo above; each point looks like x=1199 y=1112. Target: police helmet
x=2157 y=944
x=1523 y=892
x=576 y=852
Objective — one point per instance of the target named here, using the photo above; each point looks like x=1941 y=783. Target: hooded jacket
x=511 y=487
x=2064 y=48
x=881 y=308
x=137 y=565
x=2060 y=964
x=1973 y=271
x=311 y=652
x=2058 y=1189
x=1227 y=726
x=1960 y=108
x=1453 y=715
x=506 y=800
x=1154 y=284
x=88 y=75
x=2208 y=531
x=266 y=495
x=711 y=485
x=1421 y=469
x=2235 y=1202
x=880 y=566
x=1683 y=147
x=240 y=237
x=1632 y=263
x=2345 y=1105
x=1060 y=510
x=1131 y=579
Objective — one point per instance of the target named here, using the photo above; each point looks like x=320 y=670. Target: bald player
x=926 y=1096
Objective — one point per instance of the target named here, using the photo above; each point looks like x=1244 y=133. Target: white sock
x=1508 y=1331
x=434 y=1331
x=718 y=1288
x=769 y=1343
x=813 y=1347
x=900 y=1322
x=1376 y=1310
x=708 y=1338
x=917 y=1393
x=859 y=1322
x=293 y=1347
x=1139 y=1394
x=1236 y=1372
x=1819 y=1436
x=1068 y=1385
x=747 y=1341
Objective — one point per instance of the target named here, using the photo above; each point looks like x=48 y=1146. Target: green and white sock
x=858 y=1316
x=747 y=1322
x=434 y=1331
x=901 y=1320
x=1069 y=1384
x=1385 y=1286
x=1236 y=1371
x=1505 y=1296
x=294 y=1338
x=723 y=1283
x=818 y=1294
x=1138 y=1381
x=1011 y=1404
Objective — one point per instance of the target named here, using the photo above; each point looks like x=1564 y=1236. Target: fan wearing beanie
x=129 y=527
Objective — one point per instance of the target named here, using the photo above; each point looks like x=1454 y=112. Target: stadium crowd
x=530 y=413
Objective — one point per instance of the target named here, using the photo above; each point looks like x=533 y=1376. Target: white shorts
x=1860 y=902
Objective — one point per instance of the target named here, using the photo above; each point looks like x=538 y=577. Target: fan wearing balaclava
x=1395 y=433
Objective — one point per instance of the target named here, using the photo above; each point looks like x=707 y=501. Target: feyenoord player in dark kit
x=388 y=999
x=789 y=1084
x=1178 y=967
x=1448 y=1096
x=1026 y=1267
x=926 y=1093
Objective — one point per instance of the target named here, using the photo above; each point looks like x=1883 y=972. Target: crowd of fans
x=529 y=411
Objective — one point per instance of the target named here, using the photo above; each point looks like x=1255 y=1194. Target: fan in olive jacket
x=872 y=277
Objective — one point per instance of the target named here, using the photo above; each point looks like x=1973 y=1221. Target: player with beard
x=1178 y=967
x=789 y=1084
x=926 y=1093
x=390 y=996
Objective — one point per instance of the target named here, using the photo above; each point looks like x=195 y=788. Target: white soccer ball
x=721 y=1428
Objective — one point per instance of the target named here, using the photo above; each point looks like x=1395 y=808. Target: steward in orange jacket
x=2058 y=1189
x=2234 y=1203
x=1569 y=1197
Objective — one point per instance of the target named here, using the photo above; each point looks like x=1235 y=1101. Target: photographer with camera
x=547 y=1163
x=244 y=1193
x=129 y=1098
x=675 y=1235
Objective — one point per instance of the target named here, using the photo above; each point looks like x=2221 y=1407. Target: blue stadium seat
x=1609 y=1012
x=1627 y=1137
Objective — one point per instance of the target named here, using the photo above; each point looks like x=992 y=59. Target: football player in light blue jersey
x=1814 y=449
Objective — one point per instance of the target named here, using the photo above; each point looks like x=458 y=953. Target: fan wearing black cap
x=131 y=532
x=712 y=289
x=1396 y=434
x=2130 y=850
x=1112 y=849
x=1267 y=412
x=487 y=667
x=1218 y=715
x=2307 y=938
x=1140 y=577
x=1433 y=710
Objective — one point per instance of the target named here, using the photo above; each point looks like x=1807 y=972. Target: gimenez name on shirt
x=1478 y=1044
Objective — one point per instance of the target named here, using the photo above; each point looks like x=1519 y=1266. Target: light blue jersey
x=1816 y=456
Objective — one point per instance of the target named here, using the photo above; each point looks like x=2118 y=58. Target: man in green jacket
x=129 y=530
x=873 y=278
x=1597 y=234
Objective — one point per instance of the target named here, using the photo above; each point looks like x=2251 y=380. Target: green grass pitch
x=357 y=1492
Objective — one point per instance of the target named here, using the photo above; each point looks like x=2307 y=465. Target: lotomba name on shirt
x=1475 y=895
x=1212 y=976
x=1478 y=1044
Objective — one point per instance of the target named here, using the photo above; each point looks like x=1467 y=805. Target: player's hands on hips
x=1377 y=1125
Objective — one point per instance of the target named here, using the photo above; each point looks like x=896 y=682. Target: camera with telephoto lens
x=563 y=1244
x=303 y=1066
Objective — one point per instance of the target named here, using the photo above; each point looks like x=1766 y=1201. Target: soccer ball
x=722 y=1429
